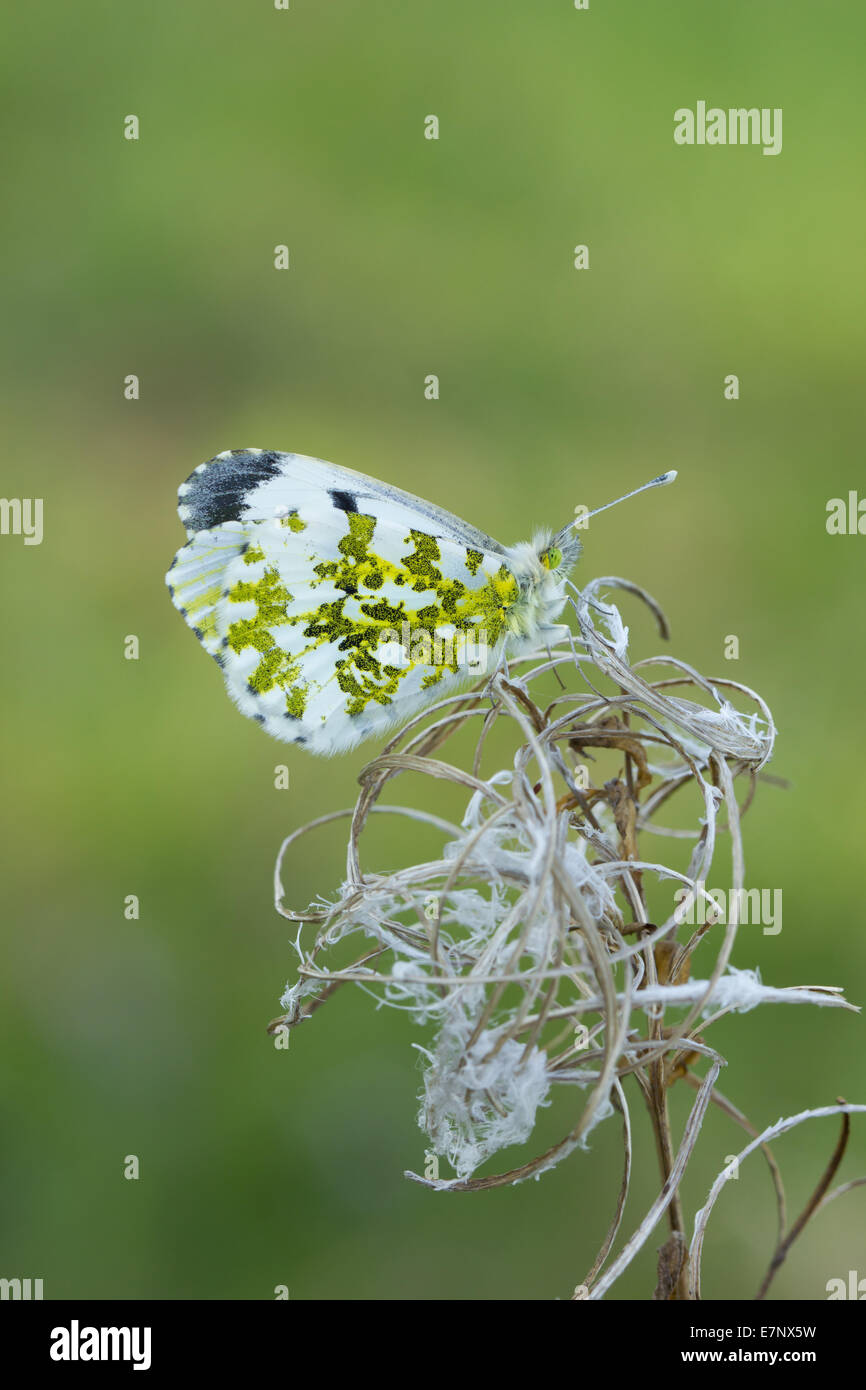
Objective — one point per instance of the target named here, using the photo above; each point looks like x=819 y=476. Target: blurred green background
x=558 y=387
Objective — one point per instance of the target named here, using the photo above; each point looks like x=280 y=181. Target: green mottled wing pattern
x=330 y=622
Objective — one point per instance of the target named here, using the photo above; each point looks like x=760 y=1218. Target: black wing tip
x=218 y=490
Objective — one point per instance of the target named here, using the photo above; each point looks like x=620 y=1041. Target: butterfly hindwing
x=197 y=579
x=332 y=622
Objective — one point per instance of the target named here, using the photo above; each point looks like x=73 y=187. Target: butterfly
x=338 y=606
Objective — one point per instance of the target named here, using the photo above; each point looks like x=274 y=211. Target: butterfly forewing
x=256 y=484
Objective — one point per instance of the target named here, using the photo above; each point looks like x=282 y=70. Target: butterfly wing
x=331 y=622
x=258 y=484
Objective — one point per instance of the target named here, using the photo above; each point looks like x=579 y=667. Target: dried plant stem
x=771 y=1132
x=525 y=943
x=657 y=1096
x=814 y=1202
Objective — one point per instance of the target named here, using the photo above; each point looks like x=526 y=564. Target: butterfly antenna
x=660 y=481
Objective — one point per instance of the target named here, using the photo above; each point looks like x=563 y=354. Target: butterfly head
x=541 y=567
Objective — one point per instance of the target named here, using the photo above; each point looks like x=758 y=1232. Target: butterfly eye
x=551 y=559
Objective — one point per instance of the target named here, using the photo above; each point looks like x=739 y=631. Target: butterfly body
x=338 y=606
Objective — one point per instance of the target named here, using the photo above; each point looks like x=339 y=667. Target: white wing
x=343 y=615
x=258 y=484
